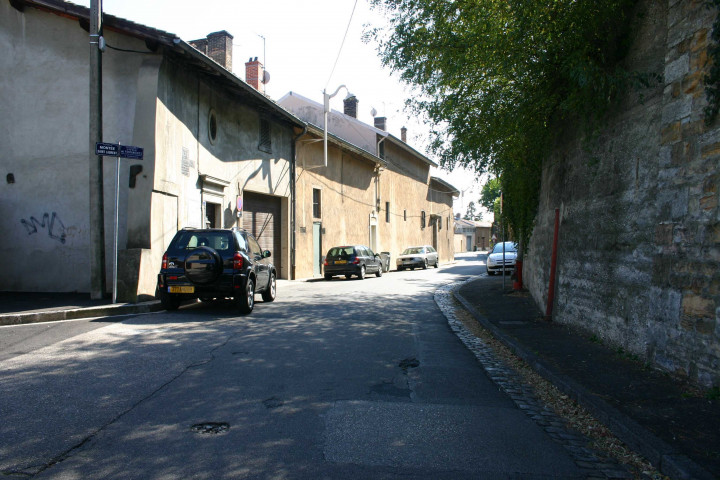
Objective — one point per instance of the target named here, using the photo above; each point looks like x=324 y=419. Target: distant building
x=375 y=190
x=471 y=235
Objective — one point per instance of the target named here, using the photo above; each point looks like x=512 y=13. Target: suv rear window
x=188 y=240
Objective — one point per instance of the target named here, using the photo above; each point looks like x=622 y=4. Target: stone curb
x=75 y=313
x=657 y=452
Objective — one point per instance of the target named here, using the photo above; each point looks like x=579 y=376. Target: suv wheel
x=269 y=294
x=247 y=302
x=361 y=275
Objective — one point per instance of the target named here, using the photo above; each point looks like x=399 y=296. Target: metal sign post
x=119 y=151
x=502 y=233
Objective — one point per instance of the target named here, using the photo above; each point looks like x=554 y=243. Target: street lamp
x=326 y=110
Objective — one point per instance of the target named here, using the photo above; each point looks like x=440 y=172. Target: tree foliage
x=496 y=79
x=472 y=213
x=490 y=193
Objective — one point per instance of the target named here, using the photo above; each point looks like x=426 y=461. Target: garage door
x=261 y=217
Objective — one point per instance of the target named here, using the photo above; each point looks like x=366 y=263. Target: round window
x=212 y=126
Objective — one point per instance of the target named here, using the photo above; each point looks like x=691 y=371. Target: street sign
x=115 y=150
x=107 y=149
x=128 y=151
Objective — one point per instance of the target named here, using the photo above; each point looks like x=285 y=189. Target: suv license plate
x=340 y=262
x=190 y=289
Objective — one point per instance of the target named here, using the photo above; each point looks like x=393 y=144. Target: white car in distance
x=420 y=256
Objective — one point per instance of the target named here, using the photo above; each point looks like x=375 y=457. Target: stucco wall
x=406 y=184
x=184 y=153
x=638 y=245
x=150 y=102
x=349 y=204
x=44 y=145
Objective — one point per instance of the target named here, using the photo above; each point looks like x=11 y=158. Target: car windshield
x=187 y=240
x=509 y=247
x=413 y=251
x=341 y=252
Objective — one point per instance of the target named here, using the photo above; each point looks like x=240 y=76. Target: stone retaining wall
x=639 y=244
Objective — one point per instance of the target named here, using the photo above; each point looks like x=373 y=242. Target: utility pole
x=97 y=209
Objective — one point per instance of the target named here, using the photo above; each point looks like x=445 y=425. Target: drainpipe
x=553 y=264
x=293 y=162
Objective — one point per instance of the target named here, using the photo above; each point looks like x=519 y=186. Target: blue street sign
x=128 y=151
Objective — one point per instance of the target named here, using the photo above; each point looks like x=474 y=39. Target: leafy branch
x=497 y=80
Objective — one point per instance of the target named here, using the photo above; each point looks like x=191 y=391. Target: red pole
x=553 y=263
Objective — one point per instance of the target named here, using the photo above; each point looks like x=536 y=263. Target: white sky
x=301 y=43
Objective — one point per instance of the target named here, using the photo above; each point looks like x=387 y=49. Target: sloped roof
x=445 y=186
x=173 y=46
x=358 y=124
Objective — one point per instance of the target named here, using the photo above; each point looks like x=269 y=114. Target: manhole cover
x=210 y=428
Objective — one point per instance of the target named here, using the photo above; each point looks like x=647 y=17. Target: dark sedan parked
x=352 y=260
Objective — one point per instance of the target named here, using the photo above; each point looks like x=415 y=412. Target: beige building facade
x=383 y=199
x=216 y=151
x=472 y=235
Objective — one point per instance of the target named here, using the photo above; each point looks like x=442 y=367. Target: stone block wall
x=639 y=244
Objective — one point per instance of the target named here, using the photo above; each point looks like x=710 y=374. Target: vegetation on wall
x=497 y=78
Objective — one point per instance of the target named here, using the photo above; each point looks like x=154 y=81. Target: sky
x=301 y=45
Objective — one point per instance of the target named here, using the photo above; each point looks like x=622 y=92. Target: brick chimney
x=218 y=46
x=254 y=72
x=403 y=134
x=350 y=106
x=380 y=122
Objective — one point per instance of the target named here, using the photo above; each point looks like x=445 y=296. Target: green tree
x=471 y=213
x=489 y=193
x=496 y=79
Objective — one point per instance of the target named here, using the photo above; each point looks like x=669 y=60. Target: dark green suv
x=216 y=263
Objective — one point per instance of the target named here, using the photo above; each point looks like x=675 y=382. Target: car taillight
x=237 y=262
x=164 y=261
x=356 y=261
x=326 y=262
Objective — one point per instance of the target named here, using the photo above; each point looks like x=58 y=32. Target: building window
x=212 y=126
x=316 y=203
x=265 y=141
x=422 y=219
x=405 y=215
x=387 y=212
x=439 y=222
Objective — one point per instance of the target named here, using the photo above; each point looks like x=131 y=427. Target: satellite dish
x=266 y=77
x=373 y=112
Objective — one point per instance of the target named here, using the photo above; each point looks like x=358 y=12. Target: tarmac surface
x=671 y=424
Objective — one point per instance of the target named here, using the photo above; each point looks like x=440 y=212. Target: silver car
x=495 y=258
x=421 y=256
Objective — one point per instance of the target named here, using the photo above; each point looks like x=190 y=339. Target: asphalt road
x=340 y=379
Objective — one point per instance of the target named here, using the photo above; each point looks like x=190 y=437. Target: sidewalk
x=18 y=308
x=677 y=430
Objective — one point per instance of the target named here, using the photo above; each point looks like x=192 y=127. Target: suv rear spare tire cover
x=203 y=265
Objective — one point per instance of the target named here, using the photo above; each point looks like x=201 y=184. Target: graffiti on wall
x=55 y=227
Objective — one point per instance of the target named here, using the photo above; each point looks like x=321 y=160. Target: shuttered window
x=265 y=140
